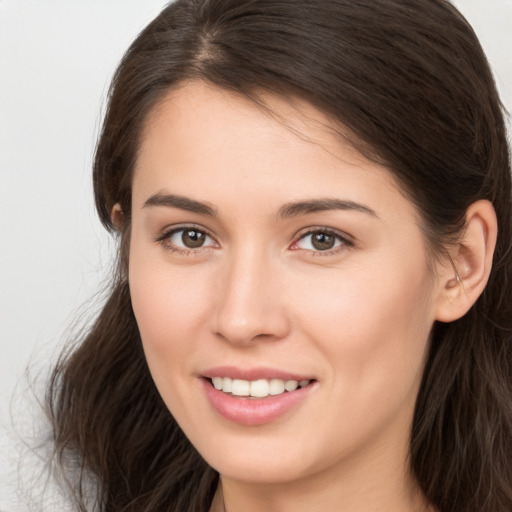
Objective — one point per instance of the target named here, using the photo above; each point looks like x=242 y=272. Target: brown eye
x=318 y=241
x=322 y=241
x=192 y=238
x=187 y=239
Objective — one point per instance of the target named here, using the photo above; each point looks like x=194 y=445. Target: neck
x=265 y=498
x=258 y=499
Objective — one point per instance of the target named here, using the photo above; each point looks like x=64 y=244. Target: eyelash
x=165 y=237
x=345 y=242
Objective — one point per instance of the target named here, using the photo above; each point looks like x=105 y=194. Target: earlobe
x=471 y=263
x=117 y=216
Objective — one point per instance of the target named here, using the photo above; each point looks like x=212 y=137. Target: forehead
x=195 y=104
x=201 y=140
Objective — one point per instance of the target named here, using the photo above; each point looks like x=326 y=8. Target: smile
x=256 y=396
x=260 y=388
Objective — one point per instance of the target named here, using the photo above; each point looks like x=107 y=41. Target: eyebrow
x=288 y=210
x=317 y=205
x=181 y=202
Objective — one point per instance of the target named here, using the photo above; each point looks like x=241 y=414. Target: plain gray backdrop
x=56 y=60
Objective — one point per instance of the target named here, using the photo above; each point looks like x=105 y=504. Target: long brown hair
x=409 y=80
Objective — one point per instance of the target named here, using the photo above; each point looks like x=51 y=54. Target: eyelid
x=345 y=238
x=324 y=229
x=163 y=238
x=165 y=235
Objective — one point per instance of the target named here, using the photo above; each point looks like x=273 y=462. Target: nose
x=250 y=303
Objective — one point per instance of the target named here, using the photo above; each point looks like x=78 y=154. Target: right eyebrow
x=319 y=205
x=181 y=202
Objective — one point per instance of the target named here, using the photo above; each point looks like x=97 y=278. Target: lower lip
x=254 y=411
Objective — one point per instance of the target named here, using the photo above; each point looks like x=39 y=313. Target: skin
x=258 y=293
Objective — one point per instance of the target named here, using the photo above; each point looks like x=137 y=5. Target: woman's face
x=265 y=252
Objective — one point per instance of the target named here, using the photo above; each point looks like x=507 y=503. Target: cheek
x=170 y=308
x=373 y=326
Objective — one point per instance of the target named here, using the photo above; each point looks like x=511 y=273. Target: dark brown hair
x=409 y=80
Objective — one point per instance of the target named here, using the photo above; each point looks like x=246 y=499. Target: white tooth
x=227 y=384
x=303 y=383
x=217 y=382
x=259 y=388
x=240 y=387
x=276 y=387
x=291 y=385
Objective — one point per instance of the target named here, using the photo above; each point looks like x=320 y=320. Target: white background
x=56 y=60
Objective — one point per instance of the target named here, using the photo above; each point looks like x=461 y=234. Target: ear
x=462 y=282
x=117 y=216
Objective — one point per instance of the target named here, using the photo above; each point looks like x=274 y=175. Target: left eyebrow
x=317 y=205
x=180 y=202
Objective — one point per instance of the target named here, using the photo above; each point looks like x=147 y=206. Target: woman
x=313 y=304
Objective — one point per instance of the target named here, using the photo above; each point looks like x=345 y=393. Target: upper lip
x=255 y=373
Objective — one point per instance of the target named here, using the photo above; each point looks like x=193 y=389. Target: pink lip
x=253 y=411
x=252 y=373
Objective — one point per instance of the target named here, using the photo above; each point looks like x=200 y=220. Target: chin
x=258 y=471
x=259 y=459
